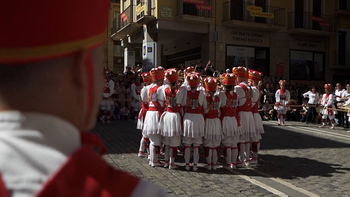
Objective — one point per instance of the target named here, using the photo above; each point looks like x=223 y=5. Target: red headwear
x=282 y=82
x=189 y=69
x=229 y=79
x=52 y=28
x=157 y=73
x=255 y=75
x=210 y=84
x=193 y=79
x=146 y=77
x=171 y=75
x=240 y=71
x=328 y=86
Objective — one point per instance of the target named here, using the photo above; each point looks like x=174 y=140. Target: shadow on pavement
x=279 y=138
x=291 y=167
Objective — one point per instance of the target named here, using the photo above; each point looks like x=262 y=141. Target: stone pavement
x=295 y=160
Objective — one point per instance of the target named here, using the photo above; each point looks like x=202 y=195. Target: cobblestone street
x=296 y=160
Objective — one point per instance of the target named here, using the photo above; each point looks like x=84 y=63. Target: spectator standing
x=313 y=97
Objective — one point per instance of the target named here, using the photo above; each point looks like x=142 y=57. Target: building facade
x=298 y=40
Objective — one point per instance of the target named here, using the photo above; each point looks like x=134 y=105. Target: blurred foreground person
x=57 y=68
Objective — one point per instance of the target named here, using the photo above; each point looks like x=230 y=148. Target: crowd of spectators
x=268 y=85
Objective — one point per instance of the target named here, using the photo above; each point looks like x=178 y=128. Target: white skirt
x=193 y=125
x=151 y=123
x=170 y=124
x=282 y=109
x=213 y=129
x=258 y=123
x=325 y=111
x=247 y=124
x=140 y=120
x=230 y=126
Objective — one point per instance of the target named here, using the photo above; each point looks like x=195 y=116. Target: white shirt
x=241 y=94
x=255 y=95
x=313 y=97
x=33 y=147
x=338 y=93
x=346 y=94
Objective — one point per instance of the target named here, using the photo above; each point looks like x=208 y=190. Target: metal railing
x=342 y=58
x=250 y=12
x=307 y=20
x=195 y=10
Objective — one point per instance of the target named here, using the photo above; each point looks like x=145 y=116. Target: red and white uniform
x=327 y=102
x=144 y=106
x=259 y=129
x=28 y=139
x=347 y=103
x=151 y=124
x=282 y=98
x=108 y=91
x=245 y=114
x=135 y=93
x=213 y=130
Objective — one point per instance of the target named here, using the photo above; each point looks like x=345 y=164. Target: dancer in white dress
x=213 y=130
x=254 y=78
x=243 y=91
x=170 y=124
x=282 y=96
x=144 y=143
x=230 y=121
x=194 y=102
x=327 y=104
x=155 y=109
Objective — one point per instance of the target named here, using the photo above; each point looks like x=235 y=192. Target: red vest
x=106 y=89
x=143 y=110
x=157 y=107
x=213 y=107
x=85 y=174
x=192 y=98
x=228 y=109
x=247 y=106
x=170 y=102
x=283 y=94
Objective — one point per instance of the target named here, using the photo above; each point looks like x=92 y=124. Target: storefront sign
x=247 y=38
x=166 y=12
x=194 y=1
x=204 y=7
x=305 y=43
x=321 y=20
x=258 y=12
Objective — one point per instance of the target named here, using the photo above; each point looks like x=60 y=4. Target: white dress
x=283 y=100
x=144 y=99
x=257 y=117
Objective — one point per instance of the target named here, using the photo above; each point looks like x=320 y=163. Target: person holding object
x=338 y=93
x=282 y=96
x=313 y=97
x=45 y=150
x=209 y=70
x=327 y=104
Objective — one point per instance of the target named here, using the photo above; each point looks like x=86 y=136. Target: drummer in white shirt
x=313 y=97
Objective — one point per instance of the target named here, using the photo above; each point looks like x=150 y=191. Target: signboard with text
x=258 y=12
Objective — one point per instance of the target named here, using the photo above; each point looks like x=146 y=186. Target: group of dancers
x=197 y=113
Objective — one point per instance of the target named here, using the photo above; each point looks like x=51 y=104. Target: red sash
x=247 y=106
x=85 y=174
x=212 y=113
x=190 y=97
x=255 y=108
x=143 y=111
x=3 y=190
x=228 y=110
x=174 y=109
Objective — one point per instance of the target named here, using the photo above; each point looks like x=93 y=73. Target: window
x=306 y=65
x=342 y=48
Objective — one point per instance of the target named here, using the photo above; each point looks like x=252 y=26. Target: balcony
x=144 y=13
x=305 y=23
x=249 y=15
x=342 y=60
x=195 y=11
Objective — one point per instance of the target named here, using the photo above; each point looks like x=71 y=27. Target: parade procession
x=180 y=98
